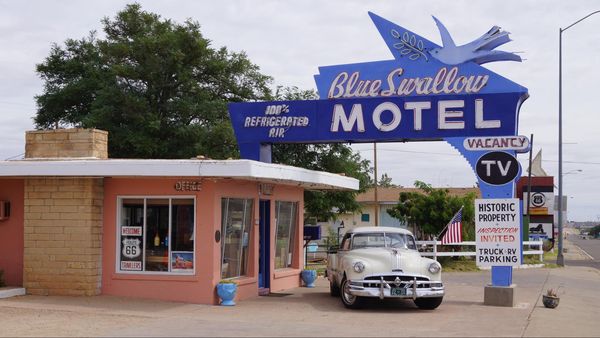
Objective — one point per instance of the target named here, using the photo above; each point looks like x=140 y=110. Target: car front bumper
x=412 y=289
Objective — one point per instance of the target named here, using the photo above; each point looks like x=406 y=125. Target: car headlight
x=434 y=267
x=359 y=267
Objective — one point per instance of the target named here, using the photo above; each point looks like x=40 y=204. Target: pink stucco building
x=74 y=222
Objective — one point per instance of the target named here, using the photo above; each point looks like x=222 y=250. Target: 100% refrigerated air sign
x=498 y=232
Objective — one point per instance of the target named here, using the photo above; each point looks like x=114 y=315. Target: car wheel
x=350 y=301
x=428 y=303
x=334 y=290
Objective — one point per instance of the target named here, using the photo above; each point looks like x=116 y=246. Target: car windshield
x=383 y=240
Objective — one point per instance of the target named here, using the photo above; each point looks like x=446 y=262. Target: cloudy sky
x=290 y=39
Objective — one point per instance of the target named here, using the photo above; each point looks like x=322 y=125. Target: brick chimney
x=66 y=143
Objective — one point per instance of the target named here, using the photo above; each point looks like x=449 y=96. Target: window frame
x=291 y=236
x=119 y=201
x=223 y=235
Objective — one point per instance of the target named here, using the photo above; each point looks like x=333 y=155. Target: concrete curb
x=7 y=292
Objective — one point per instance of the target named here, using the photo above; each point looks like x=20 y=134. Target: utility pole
x=375 y=187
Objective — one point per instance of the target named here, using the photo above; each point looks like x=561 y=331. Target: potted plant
x=551 y=299
x=226 y=290
x=309 y=276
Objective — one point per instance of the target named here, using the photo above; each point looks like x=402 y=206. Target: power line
x=448 y=154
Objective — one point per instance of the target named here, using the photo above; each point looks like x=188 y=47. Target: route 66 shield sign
x=131 y=247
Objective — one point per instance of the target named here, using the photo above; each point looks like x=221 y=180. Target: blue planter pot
x=309 y=277
x=227 y=291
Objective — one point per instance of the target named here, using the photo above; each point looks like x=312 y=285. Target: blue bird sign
x=479 y=50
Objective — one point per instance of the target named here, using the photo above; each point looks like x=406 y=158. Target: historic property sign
x=498 y=232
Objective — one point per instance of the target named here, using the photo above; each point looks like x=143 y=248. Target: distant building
x=387 y=198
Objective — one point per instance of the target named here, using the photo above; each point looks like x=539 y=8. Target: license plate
x=397 y=292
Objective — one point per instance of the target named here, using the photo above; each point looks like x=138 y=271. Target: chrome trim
x=383 y=290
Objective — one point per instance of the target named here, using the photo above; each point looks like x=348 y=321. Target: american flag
x=453 y=232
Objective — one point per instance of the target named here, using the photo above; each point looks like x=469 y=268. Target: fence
x=315 y=252
x=435 y=253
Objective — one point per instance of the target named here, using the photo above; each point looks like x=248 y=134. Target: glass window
x=380 y=240
x=157 y=234
x=236 y=225
x=346 y=242
x=364 y=217
x=287 y=224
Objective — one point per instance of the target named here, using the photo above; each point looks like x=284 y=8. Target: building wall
x=62 y=240
x=11 y=232
x=199 y=287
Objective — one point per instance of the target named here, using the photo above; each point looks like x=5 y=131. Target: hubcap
x=348 y=298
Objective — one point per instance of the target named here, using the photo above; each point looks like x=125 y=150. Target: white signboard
x=498 y=232
x=131 y=231
x=542 y=203
x=518 y=143
x=131 y=266
x=540 y=231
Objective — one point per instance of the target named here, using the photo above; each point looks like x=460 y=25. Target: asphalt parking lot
x=312 y=312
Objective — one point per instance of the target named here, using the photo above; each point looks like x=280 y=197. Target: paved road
x=590 y=246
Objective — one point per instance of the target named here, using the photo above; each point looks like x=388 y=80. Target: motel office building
x=73 y=222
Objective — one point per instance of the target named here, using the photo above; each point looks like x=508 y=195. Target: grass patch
x=462 y=264
x=549 y=259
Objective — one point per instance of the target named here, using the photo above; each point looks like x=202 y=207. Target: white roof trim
x=239 y=169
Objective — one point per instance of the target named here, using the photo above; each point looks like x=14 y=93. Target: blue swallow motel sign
x=426 y=92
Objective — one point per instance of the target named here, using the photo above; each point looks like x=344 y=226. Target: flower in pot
x=226 y=290
x=551 y=299
x=309 y=276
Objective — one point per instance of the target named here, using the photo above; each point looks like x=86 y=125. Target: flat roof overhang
x=220 y=169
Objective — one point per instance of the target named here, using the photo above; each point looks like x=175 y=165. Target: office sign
x=498 y=232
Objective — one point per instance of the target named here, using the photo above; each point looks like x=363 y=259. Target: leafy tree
x=431 y=209
x=595 y=231
x=335 y=158
x=161 y=91
x=385 y=181
x=157 y=87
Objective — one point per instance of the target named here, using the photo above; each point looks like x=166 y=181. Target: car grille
x=403 y=281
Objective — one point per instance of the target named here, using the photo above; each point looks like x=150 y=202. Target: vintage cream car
x=383 y=262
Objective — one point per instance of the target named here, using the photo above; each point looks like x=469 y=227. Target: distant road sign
x=497 y=168
x=517 y=143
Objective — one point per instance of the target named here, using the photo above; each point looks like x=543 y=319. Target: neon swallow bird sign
x=426 y=92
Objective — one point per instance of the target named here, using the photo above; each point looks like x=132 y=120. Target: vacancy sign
x=498 y=232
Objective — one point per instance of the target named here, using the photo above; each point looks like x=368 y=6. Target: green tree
x=385 y=181
x=161 y=91
x=156 y=86
x=595 y=231
x=334 y=158
x=431 y=209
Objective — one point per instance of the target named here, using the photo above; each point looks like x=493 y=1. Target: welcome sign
x=427 y=92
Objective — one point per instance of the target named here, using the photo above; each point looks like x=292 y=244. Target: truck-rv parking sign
x=497 y=232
